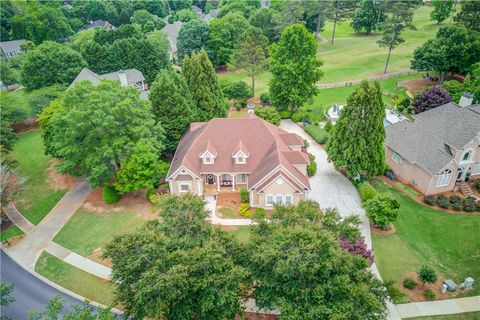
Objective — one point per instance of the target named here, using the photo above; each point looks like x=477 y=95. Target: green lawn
x=19 y=99
x=447 y=242
x=10 y=232
x=261 y=81
x=460 y=316
x=87 y=231
x=227 y=213
x=37 y=198
x=74 y=279
x=242 y=233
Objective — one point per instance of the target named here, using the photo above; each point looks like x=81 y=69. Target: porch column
x=170 y=186
x=199 y=187
x=251 y=198
x=218 y=183
x=233 y=182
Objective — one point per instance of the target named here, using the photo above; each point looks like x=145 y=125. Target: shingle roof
x=266 y=148
x=427 y=141
x=12 y=46
x=133 y=76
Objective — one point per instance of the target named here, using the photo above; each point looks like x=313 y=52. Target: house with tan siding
x=438 y=150
x=224 y=155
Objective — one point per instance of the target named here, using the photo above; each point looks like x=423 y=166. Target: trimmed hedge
x=367 y=191
x=244 y=195
x=430 y=200
x=318 y=134
x=312 y=168
x=111 y=195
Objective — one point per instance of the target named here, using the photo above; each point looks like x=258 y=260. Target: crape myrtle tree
x=295 y=68
x=94 y=129
x=172 y=105
x=356 y=143
x=251 y=53
x=430 y=99
x=399 y=18
x=181 y=268
x=203 y=84
x=296 y=256
x=192 y=37
x=454 y=49
x=442 y=9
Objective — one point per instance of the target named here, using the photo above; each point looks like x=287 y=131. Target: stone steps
x=466 y=190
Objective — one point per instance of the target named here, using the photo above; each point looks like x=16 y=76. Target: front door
x=210 y=179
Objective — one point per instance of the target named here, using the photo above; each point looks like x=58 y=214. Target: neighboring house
x=99 y=24
x=172 y=30
x=439 y=148
x=223 y=155
x=207 y=17
x=11 y=48
x=129 y=77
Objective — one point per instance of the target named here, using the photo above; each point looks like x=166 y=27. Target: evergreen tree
x=357 y=140
x=172 y=105
x=202 y=81
x=442 y=9
x=469 y=16
x=295 y=68
x=342 y=10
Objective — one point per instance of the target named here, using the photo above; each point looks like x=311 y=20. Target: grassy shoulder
x=74 y=279
x=13 y=231
x=425 y=236
x=88 y=232
x=37 y=197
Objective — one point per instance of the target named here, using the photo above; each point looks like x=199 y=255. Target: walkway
x=432 y=308
x=16 y=217
x=383 y=76
x=211 y=205
x=29 y=249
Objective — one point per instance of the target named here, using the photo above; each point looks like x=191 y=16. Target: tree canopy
x=294 y=57
x=93 y=129
x=192 y=37
x=368 y=16
x=469 y=15
x=356 y=142
x=442 y=9
x=50 y=63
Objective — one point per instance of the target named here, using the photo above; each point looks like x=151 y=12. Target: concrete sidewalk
x=211 y=205
x=441 y=307
x=16 y=217
x=27 y=251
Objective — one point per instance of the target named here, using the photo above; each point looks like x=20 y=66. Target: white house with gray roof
x=11 y=48
x=436 y=150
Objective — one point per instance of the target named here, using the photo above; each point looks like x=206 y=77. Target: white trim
x=169 y=178
x=275 y=180
x=394 y=155
x=475 y=169
x=275 y=197
x=207 y=153
x=268 y=175
x=470 y=158
x=185 y=183
x=441 y=176
x=240 y=151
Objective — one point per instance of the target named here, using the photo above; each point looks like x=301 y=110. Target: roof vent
x=466 y=99
x=123 y=78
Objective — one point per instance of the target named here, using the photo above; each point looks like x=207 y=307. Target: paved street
x=29 y=292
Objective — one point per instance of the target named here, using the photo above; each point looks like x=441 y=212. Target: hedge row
x=468 y=204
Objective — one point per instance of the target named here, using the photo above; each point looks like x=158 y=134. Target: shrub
x=318 y=134
x=393 y=291
x=382 y=211
x=244 y=195
x=477 y=185
x=285 y=114
x=431 y=98
x=469 y=204
x=312 y=168
x=111 y=195
x=149 y=193
x=306 y=118
x=429 y=294
x=265 y=97
x=430 y=200
x=457 y=206
x=328 y=126
x=443 y=201
x=405 y=102
x=297 y=116
x=455 y=199
x=409 y=283
x=305 y=143
x=366 y=191
x=244 y=210
x=269 y=114
x=427 y=275
x=359 y=247
x=400 y=108
x=259 y=213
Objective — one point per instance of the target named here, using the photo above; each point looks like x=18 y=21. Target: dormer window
x=207 y=160
x=240 y=159
x=208 y=156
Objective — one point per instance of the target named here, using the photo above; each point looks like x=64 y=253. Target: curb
x=60 y=288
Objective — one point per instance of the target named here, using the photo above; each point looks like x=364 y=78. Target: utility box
x=444 y=288
x=468 y=283
x=451 y=286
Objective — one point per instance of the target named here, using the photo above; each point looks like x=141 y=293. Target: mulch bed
x=383 y=232
x=416 y=294
x=5 y=225
x=27 y=125
x=416 y=85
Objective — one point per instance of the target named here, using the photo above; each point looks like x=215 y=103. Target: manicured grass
x=227 y=213
x=447 y=242
x=459 y=316
x=242 y=233
x=19 y=99
x=318 y=134
x=238 y=114
x=37 y=198
x=87 y=231
x=13 y=231
x=261 y=80
x=74 y=279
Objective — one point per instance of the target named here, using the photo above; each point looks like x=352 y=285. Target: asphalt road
x=30 y=293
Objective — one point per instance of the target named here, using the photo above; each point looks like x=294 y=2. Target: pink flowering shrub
x=358 y=248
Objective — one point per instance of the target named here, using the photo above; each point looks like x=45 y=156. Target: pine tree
x=295 y=68
x=357 y=140
x=202 y=81
x=172 y=105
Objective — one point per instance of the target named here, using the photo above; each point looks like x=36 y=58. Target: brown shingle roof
x=267 y=146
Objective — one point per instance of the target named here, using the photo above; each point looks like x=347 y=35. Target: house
x=129 y=77
x=172 y=30
x=224 y=155
x=11 y=48
x=438 y=150
x=99 y=24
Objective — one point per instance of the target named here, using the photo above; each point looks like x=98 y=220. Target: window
x=240 y=160
x=241 y=178
x=207 y=160
x=444 y=178
x=269 y=201
x=467 y=156
x=396 y=157
x=476 y=169
x=279 y=199
x=288 y=199
x=184 y=187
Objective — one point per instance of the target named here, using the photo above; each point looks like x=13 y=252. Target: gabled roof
x=240 y=148
x=98 y=23
x=132 y=76
x=267 y=150
x=429 y=139
x=210 y=149
x=12 y=46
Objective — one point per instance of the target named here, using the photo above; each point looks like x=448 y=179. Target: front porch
x=214 y=184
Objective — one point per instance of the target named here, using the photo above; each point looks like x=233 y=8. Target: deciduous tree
x=368 y=16
x=251 y=53
x=287 y=13
x=430 y=99
x=192 y=37
x=95 y=128
x=469 y=15
x=262 y=19
x=382 y=211
x=54 y=308
x=356 y=142
x=172 y=105
x=399 y=18
x=319 y=11
x=203 y=84
x=294 y=57
x=442 y=9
